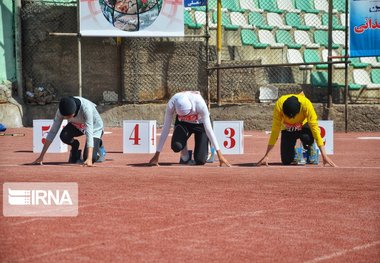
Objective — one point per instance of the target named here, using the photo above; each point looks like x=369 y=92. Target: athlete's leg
x=179 y=140
x=201 y=144
x=288 y=141
x=68 y=133
x=180 y=136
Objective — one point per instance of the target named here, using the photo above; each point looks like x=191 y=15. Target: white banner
x=132 y=18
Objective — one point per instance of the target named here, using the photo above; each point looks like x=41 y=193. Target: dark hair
x=67 y=106
x=291 y=106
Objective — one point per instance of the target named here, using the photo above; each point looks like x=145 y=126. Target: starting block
x=230 y=136
x=139 y=136
x=41 y=129
x=327 y=133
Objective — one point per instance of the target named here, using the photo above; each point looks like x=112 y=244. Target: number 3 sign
x=139 y=136
x=229 y=135
x=327 y=133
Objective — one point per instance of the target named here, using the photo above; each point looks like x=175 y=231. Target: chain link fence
x=127 y=70
x=279 y=32
x=49 y=64
x=272 y=47
x=154 y=70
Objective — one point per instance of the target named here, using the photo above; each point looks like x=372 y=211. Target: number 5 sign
x=41 y=129
x=327 y=133
x=139 y=136
x=229 y=135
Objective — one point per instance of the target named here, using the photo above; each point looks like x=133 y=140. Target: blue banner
x=192 y=3
x=364 y=28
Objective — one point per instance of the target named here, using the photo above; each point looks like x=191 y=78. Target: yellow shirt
x=306 y=114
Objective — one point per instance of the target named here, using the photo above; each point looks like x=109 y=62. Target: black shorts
x=289 y=140
x=182 y=132
x=69 y=132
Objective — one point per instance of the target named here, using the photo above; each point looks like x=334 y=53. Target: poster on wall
x=132 y=18
x=364 y=28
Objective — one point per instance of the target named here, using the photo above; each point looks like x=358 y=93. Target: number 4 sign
x=327 y=133
x=229 y=135
x=139 y=136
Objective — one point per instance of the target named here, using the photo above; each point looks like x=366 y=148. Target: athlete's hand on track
x=327 y=160
x=154 y=160
x=88 y=163
x=222 y=161
x=263 y=161
x=38 y=161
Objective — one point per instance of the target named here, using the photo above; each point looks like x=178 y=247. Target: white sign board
x=327 y=133
x=41 y=129
x=139 y=136
x=230 y=136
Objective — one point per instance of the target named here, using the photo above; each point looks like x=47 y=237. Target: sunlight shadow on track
x=254 y=164
x=50 y=163
x=245 y=164
x=147 y=165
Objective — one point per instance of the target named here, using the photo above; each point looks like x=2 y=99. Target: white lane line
x=59 y=251
x=368 y=138
x=342 y=252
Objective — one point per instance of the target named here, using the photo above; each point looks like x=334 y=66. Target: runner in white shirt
x=83 y=119
x=192 y=117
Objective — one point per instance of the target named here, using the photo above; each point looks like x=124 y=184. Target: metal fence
x=277 y=34
x=269 y=48
x=49 y=64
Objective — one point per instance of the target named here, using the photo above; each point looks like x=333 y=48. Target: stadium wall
x=362 y=118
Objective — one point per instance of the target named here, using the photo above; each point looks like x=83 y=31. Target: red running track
x=132 y=213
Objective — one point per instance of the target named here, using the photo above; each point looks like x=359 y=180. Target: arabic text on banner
x=364 y=28
x=192 y=3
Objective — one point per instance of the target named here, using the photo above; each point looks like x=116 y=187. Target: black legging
x=182 y=132
x=67 y=136
x=289 y=140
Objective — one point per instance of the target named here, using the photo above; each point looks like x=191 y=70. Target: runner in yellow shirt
x=294 y=116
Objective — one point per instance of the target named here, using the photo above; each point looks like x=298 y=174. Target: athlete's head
x=183 y=105
x=67 y=106
x=291 y=107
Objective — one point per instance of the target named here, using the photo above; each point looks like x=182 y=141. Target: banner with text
x=192 y=3
x=364 y=28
